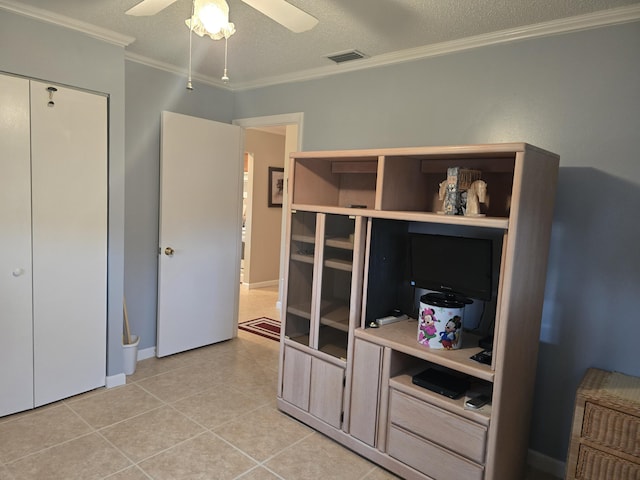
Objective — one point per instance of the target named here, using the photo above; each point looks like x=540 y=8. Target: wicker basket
x=605 y=440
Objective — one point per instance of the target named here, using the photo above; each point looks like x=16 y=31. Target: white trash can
x=440 y=321
x=130 y=353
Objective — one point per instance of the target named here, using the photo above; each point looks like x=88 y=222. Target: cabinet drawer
x=611 y=429
x=596 y=465
x=439 y=426
x=430 y=459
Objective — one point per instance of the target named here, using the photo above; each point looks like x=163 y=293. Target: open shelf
x=403 y=383
x=381 y=182
x=426 y=217
x=402 y=337
x=337 y=182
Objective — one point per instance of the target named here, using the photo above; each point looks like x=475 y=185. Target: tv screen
x=457 y=265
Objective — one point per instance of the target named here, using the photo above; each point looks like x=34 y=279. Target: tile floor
x=204 y=414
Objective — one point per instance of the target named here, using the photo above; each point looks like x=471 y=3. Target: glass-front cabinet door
x=325 y=259
x=302 y=249
x=335 y=285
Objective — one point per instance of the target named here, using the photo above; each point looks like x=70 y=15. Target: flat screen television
x=460 y=266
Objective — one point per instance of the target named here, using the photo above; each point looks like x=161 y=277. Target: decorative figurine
x=450 y=336
x=476 y=194
x=453 y=190
x=426 y=326
x=442 y=190
x=451 y=205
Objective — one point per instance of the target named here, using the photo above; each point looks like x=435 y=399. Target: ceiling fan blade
x=149 y=7
x=285 y=14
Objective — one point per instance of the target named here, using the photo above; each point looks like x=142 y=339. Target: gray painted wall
x=149 y=92
x=577 y=95
x=44 y=51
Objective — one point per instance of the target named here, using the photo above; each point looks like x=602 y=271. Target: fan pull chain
x=193 y=10
x=225 y=76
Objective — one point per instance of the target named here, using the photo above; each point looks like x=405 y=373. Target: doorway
x=262 y=264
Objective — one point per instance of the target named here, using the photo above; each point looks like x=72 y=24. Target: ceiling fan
x=280 y=11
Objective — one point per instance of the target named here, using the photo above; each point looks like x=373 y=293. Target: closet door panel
x=16 y=337
x=69 y=185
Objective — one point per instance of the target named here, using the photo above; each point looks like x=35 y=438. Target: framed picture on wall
x=276 y=186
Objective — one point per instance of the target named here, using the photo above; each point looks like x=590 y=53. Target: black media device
x=459 y=266
x=477 y=402
x=441 y=382
x=483 y=357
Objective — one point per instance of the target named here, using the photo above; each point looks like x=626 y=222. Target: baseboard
x=146 y=353
x=546 y=464
x=268 y=283
x=115 y=380
x=121 y=379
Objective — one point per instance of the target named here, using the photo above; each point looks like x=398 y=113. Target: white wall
x=576 y=95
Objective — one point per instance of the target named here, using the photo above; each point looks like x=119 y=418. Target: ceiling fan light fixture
x=211 y=17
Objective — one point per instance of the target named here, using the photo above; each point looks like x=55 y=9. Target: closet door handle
x=169 y=252
x=18 y=272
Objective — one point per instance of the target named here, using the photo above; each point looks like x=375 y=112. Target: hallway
x=258 y=302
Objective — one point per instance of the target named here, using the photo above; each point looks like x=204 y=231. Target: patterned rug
x=263 y=326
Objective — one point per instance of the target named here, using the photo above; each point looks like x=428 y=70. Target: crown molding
x=169 y=67
x=615 y=16
x=46 y=16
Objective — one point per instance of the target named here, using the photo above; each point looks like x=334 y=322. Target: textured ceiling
x=262 y=49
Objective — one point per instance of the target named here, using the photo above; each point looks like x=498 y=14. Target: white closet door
x=16 y=334
x=69 y=197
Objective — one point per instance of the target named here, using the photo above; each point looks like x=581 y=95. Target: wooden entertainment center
x=349 y=216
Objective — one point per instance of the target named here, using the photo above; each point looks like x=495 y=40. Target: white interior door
x=16 y=337
x=69 y=204
x=200 y=232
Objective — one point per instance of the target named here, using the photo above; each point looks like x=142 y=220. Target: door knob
x=168 y=252
x=17 y=272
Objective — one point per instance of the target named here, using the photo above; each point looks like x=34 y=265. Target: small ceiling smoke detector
x=346 y=56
